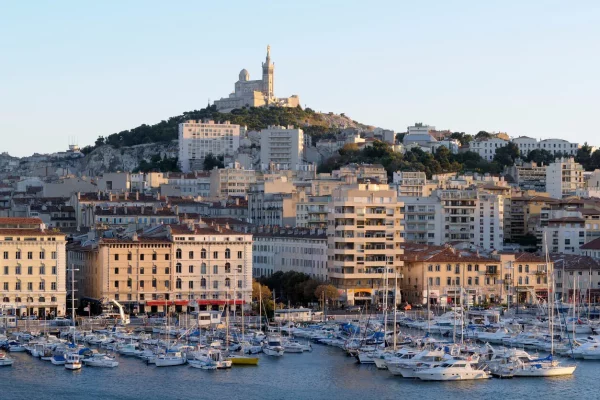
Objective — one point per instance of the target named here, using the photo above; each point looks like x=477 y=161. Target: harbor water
x=326 y=373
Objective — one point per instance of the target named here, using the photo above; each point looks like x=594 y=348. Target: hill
x=313 y=123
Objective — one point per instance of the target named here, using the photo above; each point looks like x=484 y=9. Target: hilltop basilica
x=257 y=93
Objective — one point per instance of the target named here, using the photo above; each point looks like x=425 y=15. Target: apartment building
x=364 y=238
x=311 y=212
x=486 y=148
x=360 y=173
x=489 y=232
x=564 y=177
x=529 y=176
x=525 y=216
x=33 y=279
x=272 y=202
x=139 y=217
x=283 y=146
x=559 y=147
x=194 y=184
x=231 y=181
x=413 y=184
x=422 y=221
x=198 y=138
x=577 y=277
x=300 y=250
x=170 y=267
x=565 y=232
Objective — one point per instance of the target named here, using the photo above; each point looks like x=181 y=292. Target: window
x=227 y=268
x=448 y=281
x=154 y=255
x=167 y=284
x=29 y=286
x=520 y=268
x=227 y=253
x=166 y=257
x=430 y=268
x=141 y=270
x=129 y=282
x=240 y=284
x=18 y=270
x=178 y=268
x=469 y=268
x=215 y=284
x=116 y=284
x=18 y=285
x=42 y=255
x=191 y=255
x=215 y=254
x=215 y=269
x=476 y=267
x=178 y=254
x=42 y=285
x=5 y=285
x=154 y=282
x=116 y=257
x=6 y=270
x=526 y=269
x=129 y=256
x=191 y=269
x=449 y=268
x=53 y=255
x=203 y=282
x=116 y=271
x=203 y=268
x=154 y=269
x=129 y=270
x=190 y=284
x=141 y=257
x=178 y=284
x=203 y=253
x=239 y=255
x=30 y=270
x=227 y=282
x=42 y=270
x=54 y=270
x=18 y=255
x=30 y=255
x=6 y=255
x=167 y=270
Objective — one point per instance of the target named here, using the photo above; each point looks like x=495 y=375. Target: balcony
x=492 y=271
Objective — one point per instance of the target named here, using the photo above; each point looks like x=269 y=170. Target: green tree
x=540 y=156
x=211 y=161
x=330 y=292
x=584 y=156
x=506 y=155
x=463 y=138
x=483 y=135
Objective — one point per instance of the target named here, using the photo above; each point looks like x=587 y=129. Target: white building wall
x=283 y=146
x=487 y=148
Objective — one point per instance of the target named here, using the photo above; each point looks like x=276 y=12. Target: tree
x=483 y=135
x=540 y=156
x=584 y=156
x=99 y=142
x=349 y=149
x=330 y=292
x=211 y=161
x=463 y=138
x=260 y=291
x=506 y=155
x=400 y=137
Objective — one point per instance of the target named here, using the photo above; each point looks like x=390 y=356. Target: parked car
x=354 y=308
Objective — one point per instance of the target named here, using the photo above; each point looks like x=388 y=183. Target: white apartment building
x=560 y=146
x=422 y=220
x=489 y=221
x=564 y=177
x=282 y=146
x=525 y=144
x=296 y=249
x=231 y=181
x=197 y=139
x=486 y=148
x=194 y=184
x=565 y=232
x=419 y=129
x=364 y=239
x=33 y=275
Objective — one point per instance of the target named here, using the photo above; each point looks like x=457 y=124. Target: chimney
x=137 y=196
x=78 y=195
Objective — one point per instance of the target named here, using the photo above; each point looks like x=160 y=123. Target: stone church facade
x=257 y=93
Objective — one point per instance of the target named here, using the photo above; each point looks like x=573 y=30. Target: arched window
x=520 y=280
x=227 y=253
x=178 y=268
x=178 y=254
x=30 y=299
x=203 y=253
x=17 y=299
x=203 y=282
x=6 y=300
x=527 y=280
x=227 y=268
x=53 y=299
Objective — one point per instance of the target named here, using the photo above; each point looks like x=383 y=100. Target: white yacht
x=542 y=368
x=407 y=364
x=101 y=361
x=452 y=370
x=72 y=361
x=273 y=346
x=5 y=361
x=170 y=359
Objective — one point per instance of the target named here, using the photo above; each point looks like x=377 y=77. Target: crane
x=124 y=319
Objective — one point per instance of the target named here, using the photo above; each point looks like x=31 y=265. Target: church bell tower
x=267 y=77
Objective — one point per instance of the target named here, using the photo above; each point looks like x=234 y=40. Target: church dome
x=244 y=75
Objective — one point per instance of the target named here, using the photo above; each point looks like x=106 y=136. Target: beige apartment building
x=442 y=273
x=176 y=266
x=34 y=268
x=364 y=239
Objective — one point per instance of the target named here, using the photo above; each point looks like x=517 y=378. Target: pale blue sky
x=83 y=69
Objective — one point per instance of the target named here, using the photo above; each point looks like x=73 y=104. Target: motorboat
x=129 y=349
x=453 y=370
x=170 y=359
x=200 y=364
x=293 y=346
x=16 y=347
x=542 y=368
x=5 y=361
x=100 y=361
x=213 y=356
x=273 y=346
x=72 y=361
x=405 y=364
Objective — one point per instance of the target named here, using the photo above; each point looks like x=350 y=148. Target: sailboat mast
x=395 y=305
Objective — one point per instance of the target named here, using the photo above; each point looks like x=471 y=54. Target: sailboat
x=547 y=366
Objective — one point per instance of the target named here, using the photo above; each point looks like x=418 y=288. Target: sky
x=71 y=71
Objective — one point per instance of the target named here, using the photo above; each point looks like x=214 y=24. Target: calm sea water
x=326 y=373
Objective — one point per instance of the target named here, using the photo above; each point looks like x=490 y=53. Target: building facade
x=197 y=139
x=282 y=146
x=33 y=280
x=564 y=177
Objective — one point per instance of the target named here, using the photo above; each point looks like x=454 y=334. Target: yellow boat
x=243 y=360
